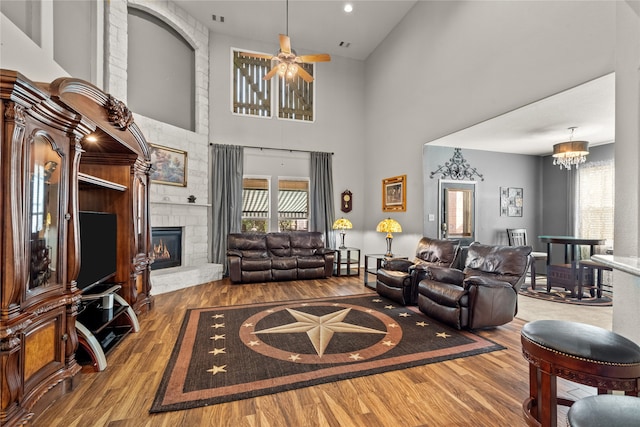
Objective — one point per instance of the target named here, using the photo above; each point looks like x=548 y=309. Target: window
x=295 y=97
x=255 y=205
x=596 y=201
x=293 y=205
x=252 y=94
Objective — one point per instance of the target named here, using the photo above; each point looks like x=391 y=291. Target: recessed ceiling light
x=348 y=8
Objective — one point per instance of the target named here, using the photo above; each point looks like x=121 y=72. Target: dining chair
x=518 y=237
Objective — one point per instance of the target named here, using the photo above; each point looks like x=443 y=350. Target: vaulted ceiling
x=314 y=26
x=322 y=26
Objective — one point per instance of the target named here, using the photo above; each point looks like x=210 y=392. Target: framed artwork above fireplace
x=168 y=165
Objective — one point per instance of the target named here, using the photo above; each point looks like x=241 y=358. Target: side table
x=347 y=262
x=370 y=270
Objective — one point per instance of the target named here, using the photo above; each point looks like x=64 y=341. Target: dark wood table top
x=571 y=240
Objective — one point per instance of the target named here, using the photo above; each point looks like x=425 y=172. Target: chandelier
x=570 y=153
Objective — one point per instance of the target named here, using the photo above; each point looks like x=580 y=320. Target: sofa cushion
x=306 y=243
x=284 y=263
x=501 y=262
x=310 y=261
x=279 y=244
x=444 y=293
x=256 y=264
x=251 y=245
x=438 y=252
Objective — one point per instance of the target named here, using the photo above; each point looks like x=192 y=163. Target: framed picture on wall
x=511 y=200
x=394 y=194
x=168 y=165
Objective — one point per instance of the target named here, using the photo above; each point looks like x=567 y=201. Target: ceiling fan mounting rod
x=287 y=33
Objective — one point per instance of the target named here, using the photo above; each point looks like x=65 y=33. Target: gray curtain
x=321 y=196
x=226 y=203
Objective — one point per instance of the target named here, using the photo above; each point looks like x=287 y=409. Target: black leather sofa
x=265 y=257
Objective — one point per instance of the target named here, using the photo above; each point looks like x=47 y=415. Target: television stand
x=104 y=319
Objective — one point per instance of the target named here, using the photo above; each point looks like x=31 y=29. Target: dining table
x=566 y=275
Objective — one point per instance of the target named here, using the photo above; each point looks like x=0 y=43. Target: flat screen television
x=98 y=248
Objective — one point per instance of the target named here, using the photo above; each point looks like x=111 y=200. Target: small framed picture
x=394 y=194
x=168 y=166
x=511 y=201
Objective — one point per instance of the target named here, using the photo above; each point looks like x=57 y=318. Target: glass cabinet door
x=45 y=167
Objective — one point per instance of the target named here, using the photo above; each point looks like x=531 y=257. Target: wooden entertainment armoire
x=51 y=171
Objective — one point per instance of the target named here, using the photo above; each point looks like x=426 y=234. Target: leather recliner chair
x=398 y=278
x=484 y=294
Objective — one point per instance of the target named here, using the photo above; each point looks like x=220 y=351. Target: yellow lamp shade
x=342 y=224
x=389 y=226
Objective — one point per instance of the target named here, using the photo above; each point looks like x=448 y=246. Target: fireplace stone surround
x=192 y=218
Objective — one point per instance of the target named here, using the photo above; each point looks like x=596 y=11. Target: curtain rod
x=291 y=150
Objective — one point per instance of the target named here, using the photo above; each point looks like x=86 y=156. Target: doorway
x=457 y=212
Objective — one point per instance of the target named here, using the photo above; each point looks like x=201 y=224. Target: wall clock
x=346 y=201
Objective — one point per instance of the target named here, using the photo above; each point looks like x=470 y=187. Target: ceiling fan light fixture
x=287 y=59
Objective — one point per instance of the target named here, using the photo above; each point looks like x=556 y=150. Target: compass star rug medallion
x=230 y=353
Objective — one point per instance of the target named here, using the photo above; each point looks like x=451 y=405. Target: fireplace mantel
x=169 y=202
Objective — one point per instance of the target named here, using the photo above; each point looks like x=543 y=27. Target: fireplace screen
x=167 y=247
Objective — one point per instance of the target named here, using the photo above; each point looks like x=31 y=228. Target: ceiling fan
x=287 y=60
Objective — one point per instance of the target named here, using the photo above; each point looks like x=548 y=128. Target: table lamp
x=389 y=226
x=342 y=224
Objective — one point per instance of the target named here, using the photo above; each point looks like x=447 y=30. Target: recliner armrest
x=325 y=251
x=234 y=252
x=485 y=281
x=397 y=264
x=446 y=275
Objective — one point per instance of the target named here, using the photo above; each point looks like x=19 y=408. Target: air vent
x=217 y=18
x=344 y=44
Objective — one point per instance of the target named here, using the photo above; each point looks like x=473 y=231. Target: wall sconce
x=342 y=224
x=389 y=226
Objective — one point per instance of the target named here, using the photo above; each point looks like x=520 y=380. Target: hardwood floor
x=483 y=390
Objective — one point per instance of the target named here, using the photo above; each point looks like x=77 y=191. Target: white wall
x=626 y=316
x=18 y=52
x=449 y=65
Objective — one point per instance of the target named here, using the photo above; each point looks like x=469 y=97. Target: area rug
x=563 y=296
x=230 y=353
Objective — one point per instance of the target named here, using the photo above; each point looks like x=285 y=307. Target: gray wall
x=161 y=71
x=74 y=42
x=466 y=71
x=338 y=125
x=498 y=170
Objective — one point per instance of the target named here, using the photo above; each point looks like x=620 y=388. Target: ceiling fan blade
x=285 y=44
x=321 y=57
x=256 y=55
x=271 y=73
x=305 y=76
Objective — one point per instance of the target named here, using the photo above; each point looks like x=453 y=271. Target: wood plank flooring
x=483 y=390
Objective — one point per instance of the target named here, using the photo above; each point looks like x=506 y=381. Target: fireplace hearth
x=166 y=244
